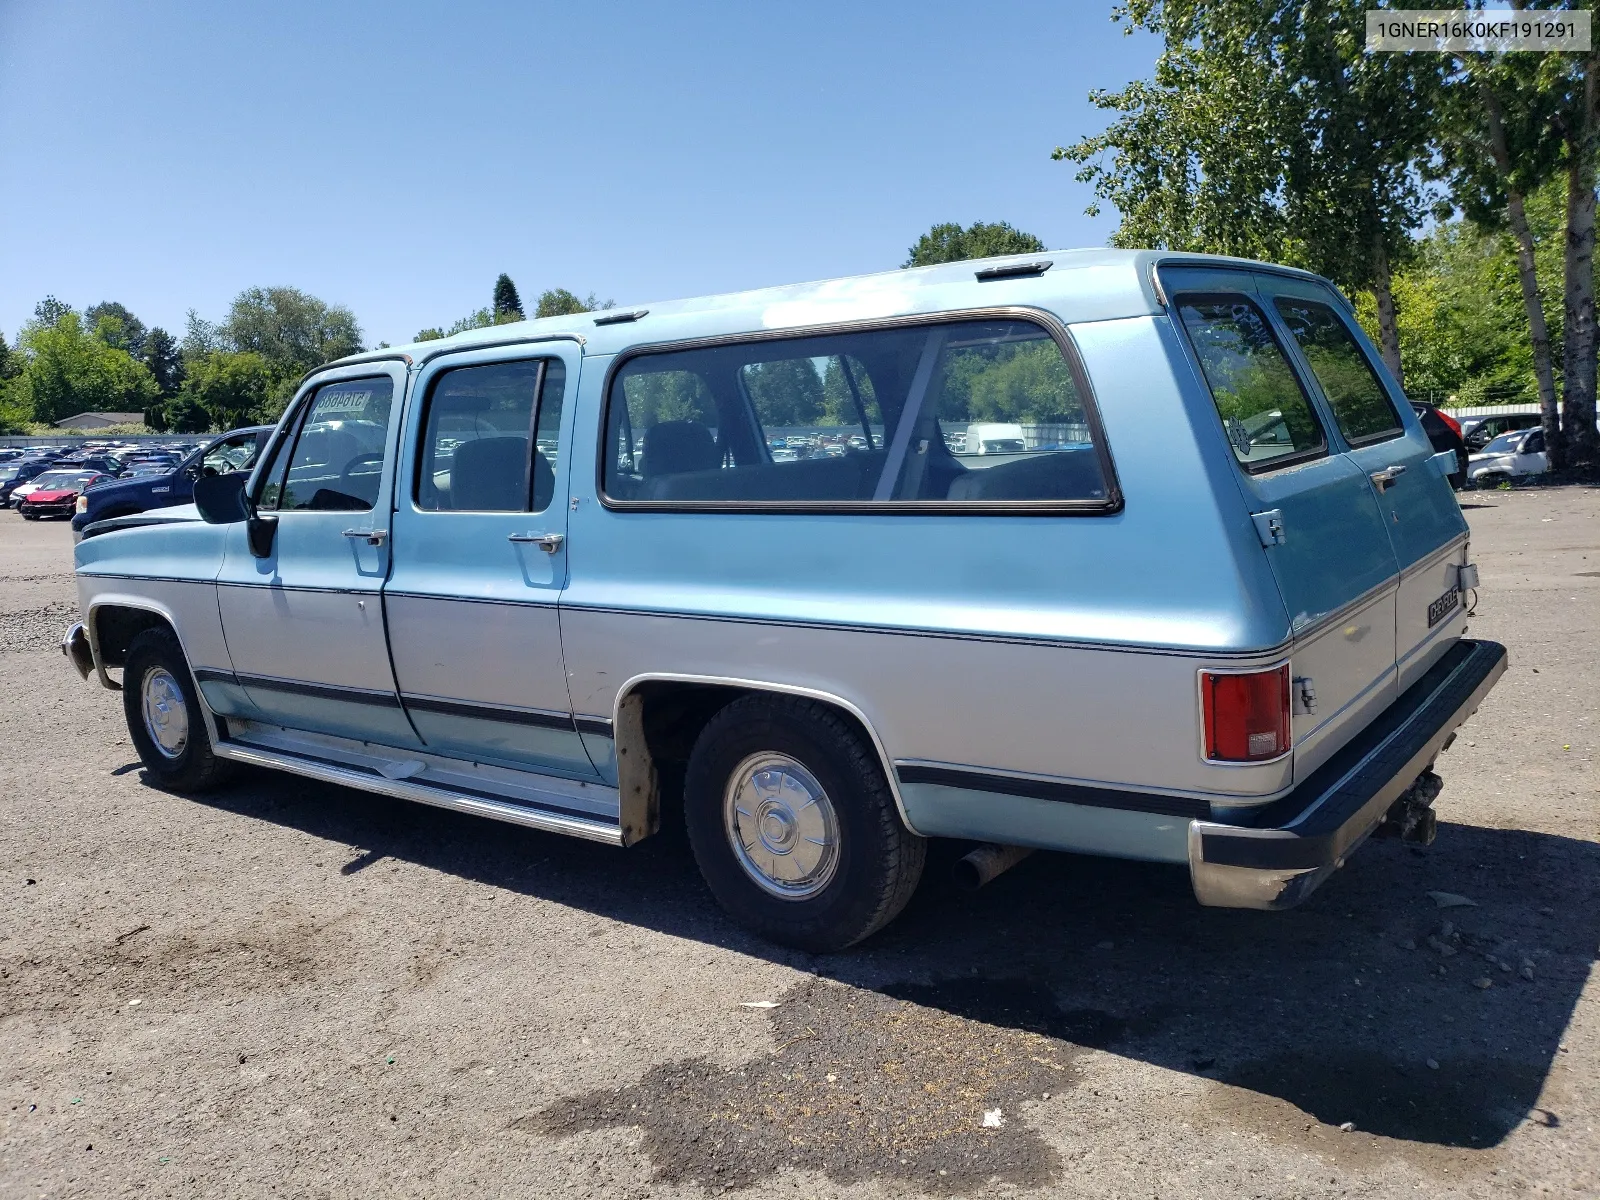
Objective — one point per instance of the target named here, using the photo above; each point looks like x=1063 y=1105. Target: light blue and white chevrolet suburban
x=1205 y=604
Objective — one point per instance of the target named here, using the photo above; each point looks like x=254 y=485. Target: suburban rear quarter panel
x=1058 y=647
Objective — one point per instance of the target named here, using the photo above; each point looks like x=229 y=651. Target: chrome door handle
x=1385 y=479
x=548 y=542
x=373 y=537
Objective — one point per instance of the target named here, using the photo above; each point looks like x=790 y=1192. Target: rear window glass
x=1360 y=405
x=1264 y=412
x=961 y=412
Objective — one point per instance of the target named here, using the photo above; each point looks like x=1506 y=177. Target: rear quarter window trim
x=1276 y=464
x=1052 y=325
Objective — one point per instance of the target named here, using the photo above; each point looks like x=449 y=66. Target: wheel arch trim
x=635 y=682
x=155 y=607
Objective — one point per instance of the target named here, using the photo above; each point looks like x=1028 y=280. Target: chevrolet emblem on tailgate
x=1443 y=606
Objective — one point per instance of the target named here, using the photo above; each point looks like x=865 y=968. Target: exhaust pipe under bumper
x=986 y=863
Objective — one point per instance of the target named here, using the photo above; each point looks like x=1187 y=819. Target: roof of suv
x=1080 y=285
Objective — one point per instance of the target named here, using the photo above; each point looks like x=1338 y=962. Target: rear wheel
x=165 y=719
x=794 y=827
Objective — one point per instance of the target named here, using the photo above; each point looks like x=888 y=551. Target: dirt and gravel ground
x=295 y=990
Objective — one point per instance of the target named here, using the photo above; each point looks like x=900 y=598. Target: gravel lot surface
x=292 y=989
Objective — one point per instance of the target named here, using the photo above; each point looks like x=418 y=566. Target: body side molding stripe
x=321 y=691
x=1189 y=807
x=489 y=712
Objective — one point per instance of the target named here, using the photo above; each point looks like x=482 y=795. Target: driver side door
x=304 y=619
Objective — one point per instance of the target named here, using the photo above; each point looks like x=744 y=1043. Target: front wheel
x=165 y=719
x=793 y=824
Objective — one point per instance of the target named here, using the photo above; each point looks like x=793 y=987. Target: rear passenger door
x=1385 y=440
x=480 y=529
x=1328 y=547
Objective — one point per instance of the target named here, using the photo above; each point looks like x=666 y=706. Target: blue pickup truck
x=236 y=450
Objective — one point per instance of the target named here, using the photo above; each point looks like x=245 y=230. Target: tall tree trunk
x=1581 y=444
x=1532 y=302
x=1388 y=327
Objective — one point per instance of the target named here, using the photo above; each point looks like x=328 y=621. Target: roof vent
x=1013 y=271
x=621 y=318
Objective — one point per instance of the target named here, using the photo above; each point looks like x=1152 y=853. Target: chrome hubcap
x=166 y=716
x=782 y=826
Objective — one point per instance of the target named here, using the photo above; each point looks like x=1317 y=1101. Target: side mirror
x=221 y=499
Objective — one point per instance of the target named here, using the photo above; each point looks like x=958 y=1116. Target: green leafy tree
x=230 y=388
x=1499 y=142
x=506 y=301
x=68 y=370
x=558 y=302
x=1268 y=132
x=431 y=334
x=49 y=310
x=164 y=360
x=785 y=393
x=838 y=398
x=116 y=326
x=951 y=243
x=292 y=330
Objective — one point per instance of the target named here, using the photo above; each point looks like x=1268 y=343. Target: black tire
x=193 y=768
x=879 y=860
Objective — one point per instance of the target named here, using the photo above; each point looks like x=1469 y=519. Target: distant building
x=100 y=420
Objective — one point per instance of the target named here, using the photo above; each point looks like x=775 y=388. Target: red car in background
x=59 y=498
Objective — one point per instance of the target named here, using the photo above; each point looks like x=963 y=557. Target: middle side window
x=489 y=442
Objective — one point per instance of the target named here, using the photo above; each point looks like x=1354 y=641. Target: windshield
x=62 y=479
x=7 y=473
x=1506 y=443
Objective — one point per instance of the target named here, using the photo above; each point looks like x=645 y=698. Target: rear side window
x=1360 y=405
x=489 y=441
x=909 y=417
x=1268 y=420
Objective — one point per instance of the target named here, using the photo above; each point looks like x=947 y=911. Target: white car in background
x=1520 y=452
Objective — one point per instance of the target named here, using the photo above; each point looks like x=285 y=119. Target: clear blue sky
x=396 y=157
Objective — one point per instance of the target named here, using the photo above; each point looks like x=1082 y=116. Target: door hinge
x=1269 y=527
x=1308 y=693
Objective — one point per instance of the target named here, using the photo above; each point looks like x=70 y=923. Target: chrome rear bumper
x=1298 y=841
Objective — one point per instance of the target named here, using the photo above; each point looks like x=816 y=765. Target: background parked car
x=236 y=450
x=55 y=479
x=27 y=470
x=1444 y=431
x=1481 y=432
x=1520 y=452
x=55 y=497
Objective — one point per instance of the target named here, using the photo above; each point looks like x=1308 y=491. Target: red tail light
x=1246 y=716
x=1454 y=424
